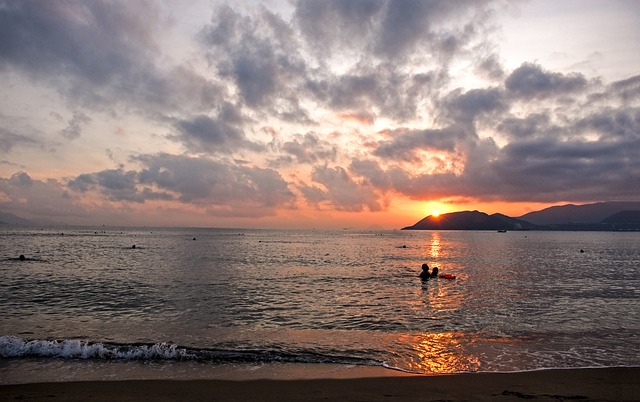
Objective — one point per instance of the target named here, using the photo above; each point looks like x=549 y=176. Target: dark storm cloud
x=340 y=191
x=531 y=81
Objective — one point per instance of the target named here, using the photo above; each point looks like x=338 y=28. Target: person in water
x=434 y=273
x=424 y=275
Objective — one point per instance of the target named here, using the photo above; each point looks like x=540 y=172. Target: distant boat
x=502 y=231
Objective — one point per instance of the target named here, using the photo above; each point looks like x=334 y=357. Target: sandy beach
x=609 y=384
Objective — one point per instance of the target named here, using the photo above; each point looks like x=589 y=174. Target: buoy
x=447 y=276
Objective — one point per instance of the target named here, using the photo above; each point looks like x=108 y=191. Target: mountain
x=7 y=218
x=578 y=214
x=592 y=217
x=469 y=220
x=624 y=220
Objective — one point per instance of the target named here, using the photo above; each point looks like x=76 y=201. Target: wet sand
x=609 y=384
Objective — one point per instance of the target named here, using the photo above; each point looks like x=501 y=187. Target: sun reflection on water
x=434 y=353
x=434 y=251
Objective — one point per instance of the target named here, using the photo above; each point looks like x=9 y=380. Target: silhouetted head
x=435 y=270
x=425 y=267
x=134 y=246
x=22 y=257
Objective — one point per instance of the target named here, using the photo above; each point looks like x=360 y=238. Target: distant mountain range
x=599 y=216
x=7 y=218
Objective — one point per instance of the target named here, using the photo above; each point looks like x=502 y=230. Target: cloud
x=10 y=139
x=204 y=181
x=372 y=172
x=490 y=68
x=259 y=55
x=388 y=29
x=404 y=143
x=535 y=124
x=219 y=135
x=222 y=189
x=90 y=40
x=340 y=191
x=115 y=184
x=531 y=81
x=35 y=199
x=277 y=67
x=99 y=55
x=347 y=102
x=74 y=129
x=627 y=90
x=465 y=106
x=307 y=149
x=69 y=44
x=573 y=150
x=337 y=25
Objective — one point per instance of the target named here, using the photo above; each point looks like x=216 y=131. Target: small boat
x=502 y=231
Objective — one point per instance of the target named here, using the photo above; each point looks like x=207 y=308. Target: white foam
x=13 y=346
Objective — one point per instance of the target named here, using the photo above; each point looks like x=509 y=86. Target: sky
x=314 y=114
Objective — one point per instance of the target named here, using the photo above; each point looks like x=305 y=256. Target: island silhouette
x=603 y=216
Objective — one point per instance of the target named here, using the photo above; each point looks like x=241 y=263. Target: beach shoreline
x=362 y=384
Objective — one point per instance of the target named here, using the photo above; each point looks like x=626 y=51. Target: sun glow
x=435 y=213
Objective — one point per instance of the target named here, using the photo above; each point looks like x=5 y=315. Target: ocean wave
x=16 y=347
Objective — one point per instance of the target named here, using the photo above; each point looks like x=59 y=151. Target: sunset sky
x=347 y=113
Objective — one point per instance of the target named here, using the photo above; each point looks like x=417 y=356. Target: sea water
x=198 y=300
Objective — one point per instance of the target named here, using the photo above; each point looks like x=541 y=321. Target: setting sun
x=435 y=213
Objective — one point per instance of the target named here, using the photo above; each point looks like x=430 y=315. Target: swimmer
x=424 y=275
x=434 y=274
x=22 y=257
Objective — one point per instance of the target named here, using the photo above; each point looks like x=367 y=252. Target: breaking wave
x=16 y=347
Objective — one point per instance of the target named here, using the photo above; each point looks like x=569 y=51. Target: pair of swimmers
x=425 y=275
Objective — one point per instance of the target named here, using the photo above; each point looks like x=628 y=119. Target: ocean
x=182 y=303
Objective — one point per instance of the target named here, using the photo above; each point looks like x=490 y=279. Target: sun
x=435 y=213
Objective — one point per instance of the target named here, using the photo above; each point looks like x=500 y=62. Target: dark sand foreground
x=610 y=384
